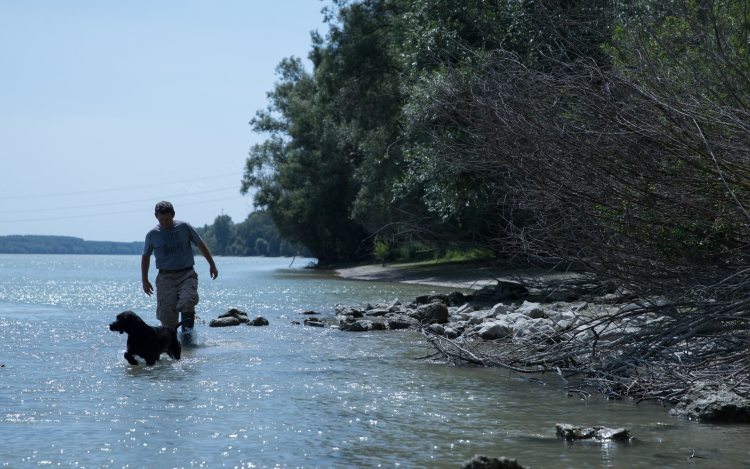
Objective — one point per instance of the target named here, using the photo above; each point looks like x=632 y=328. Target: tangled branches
x=650 y=353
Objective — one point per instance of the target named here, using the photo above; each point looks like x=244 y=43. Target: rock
x=356 y=326
x=450 y=333
x=433 y=312
x=297 y=323
x=401 y=321
x=503 y=290
x=466 y=308
x=457 y=298
x=309 y=312
x=377 y=312
x=479 y=461
x=455 y=317
x=435 y=329
x=224 y=322
x=394 y=306
x=349 y=311
x=499 y=309
x=478 y=317
x=314 y=322
x=259 y=321
x=368 y=307
x=235 y=313
x=571 y=432
x=427 y=299
x=708 y=402
x=532 y=310
x=495 y=330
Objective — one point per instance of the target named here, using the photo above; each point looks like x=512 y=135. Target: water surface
x=282 y=395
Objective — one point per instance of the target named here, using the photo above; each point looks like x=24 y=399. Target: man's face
x=166 y=220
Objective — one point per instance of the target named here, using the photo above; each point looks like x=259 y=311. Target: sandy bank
x=459 y=275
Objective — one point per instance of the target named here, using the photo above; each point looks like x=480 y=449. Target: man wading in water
x=177 y=282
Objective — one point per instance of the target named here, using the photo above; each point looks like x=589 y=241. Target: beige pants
x=175 y=294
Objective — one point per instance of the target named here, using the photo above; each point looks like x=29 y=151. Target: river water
x=284 y=395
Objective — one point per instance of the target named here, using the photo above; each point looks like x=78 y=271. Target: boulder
x=503 y=290
x=259 y=321
x=309 y=312
x=499 y=309
x=427 y=299
x=466 y=308
x=356 y=326
x=532 y=310
x=433 y=312
x=457 y=298
x=460 y=317
x=435 y=329
x=394 y=306
x=572 y=432
x=314 y=322
x=708 y=402
x=224 y=322
x=377 y=312
x=401 y=321
x=349 y=311
x=478 y=317
x=495 y=330
x=451 y=333
x=479 y=461
x=234 y=313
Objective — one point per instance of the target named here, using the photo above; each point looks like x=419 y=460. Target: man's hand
x=147 y=287
x=212 y=270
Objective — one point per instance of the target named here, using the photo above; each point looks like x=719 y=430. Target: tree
x=222 y=233
x=261 y=247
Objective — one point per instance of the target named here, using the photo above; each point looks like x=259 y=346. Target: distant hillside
x=32 y=244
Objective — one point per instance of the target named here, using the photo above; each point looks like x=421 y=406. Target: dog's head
x=126 y=322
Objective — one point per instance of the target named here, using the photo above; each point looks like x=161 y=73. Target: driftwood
x=659 y=361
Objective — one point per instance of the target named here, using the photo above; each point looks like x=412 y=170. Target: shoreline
x=462 y=275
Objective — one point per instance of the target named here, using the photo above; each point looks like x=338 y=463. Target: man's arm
x=207 y=254
x=145 y=264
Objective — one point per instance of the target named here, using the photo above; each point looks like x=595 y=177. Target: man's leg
x=188 y=298
x=166 y=300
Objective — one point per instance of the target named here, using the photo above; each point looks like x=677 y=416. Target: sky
x=106 y=108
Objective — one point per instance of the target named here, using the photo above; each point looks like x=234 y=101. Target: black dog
x=146 y=341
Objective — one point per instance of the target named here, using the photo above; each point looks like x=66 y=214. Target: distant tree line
x=64 y=245
x=256 y=236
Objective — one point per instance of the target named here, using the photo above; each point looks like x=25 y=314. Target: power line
x=116 y=203
x=112 y=213
x=119 y=189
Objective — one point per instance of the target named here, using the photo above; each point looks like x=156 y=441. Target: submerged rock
x=356 y=326
x=480 y=461
x=259 y=321
x=224 y=322
x=314 y=322
x=233 y=317
x=709 y=402
x=572 y=432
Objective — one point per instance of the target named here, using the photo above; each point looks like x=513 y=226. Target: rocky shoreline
x=499 y=315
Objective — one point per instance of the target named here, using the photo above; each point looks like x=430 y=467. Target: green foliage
x=256 y=236
x=382 y=249
x=64 y=245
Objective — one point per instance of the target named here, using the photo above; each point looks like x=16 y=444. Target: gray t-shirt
x=171 y=247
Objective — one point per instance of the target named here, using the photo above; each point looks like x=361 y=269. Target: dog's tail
x=177 y=326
